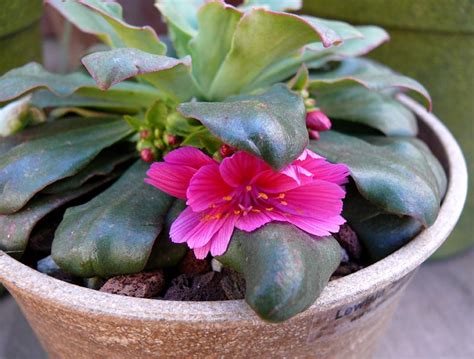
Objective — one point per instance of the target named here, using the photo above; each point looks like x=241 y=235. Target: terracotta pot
x=433 y=42
x=345 y=322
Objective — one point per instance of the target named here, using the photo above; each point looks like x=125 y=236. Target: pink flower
x=317 y=121
x=244 y=192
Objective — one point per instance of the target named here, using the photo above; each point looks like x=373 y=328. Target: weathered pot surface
x=345 y=322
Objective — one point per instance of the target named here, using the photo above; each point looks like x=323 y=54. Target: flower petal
x=322 y=169
x=202 y=252
x=241 y=168
x=207 y=188
x=170 y=178
x=252 y=221
x=221 y=239
x=188 y=156
x=184 y=224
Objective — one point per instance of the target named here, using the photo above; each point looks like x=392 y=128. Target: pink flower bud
x=317 y=120
x=226 y=150
x=313 y=134
x=172 y=140
x=147 y=155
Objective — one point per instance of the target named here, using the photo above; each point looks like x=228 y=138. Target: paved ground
x=434 y=321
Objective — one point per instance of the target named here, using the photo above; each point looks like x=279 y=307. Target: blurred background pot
x=345 y=322
x=20 y=33
x=433 y=42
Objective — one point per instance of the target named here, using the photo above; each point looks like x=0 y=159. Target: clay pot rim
x=339 y=292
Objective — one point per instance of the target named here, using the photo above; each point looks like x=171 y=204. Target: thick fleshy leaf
x=357 y=40
x=366 y=73
x=104 y=19
x=362 y=106
x=101 y=166
x=316 y=55
x=275 y=5
x=33 y=76
x=170 y=75
x=285 y=269
x=166 y=253
x=271 y=125
x=381 y=233
x=207 y=50
x=31 y=166
x=181 y=17
x=15 y=229
x=427 y=161
x=267 y=36
x=393 y=178
x=115 y=232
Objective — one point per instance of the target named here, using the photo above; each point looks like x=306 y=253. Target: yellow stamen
x=248 y=188
x=284 y=203
x=255 y=210
x=269 y=209
x=281 y=195
x=227 y=198
x=262 y=195
x=218 y=216
x=236 y=212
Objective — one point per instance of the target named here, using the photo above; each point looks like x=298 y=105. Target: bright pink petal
x=323 y=170
x=188 y=156
x=298 y=173
x=221 y=239
x=172 y=179
x=207 y=188
x=184 y=224
x=252 y=221
x=241 y=168
x=202 y=252
x=270 y=181
x=317 y=227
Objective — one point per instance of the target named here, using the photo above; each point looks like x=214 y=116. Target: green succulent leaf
x=359 y=105
x=31 y=166
x=393 y=178
x=181 y=17
x=274 y=5
x=271 y=125
x=381 y=233
x=16 y=228
x=104 y=164
x=168 y=74
x=166 y=253
x=207 y=51
x=115 y=232
x=384 y=234
x=104 y=19
x=267 y=36
x=285 y=269
x=33 y=76
x=286 y=67
x=316 y=55
x=366 y=73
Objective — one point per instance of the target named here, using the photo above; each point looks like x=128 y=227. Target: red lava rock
x=141 y=285
x=348 y=240
x=190 y=265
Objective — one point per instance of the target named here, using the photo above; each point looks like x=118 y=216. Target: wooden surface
x=435 y=318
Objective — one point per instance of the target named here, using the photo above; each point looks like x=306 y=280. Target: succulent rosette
x=250 y=134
